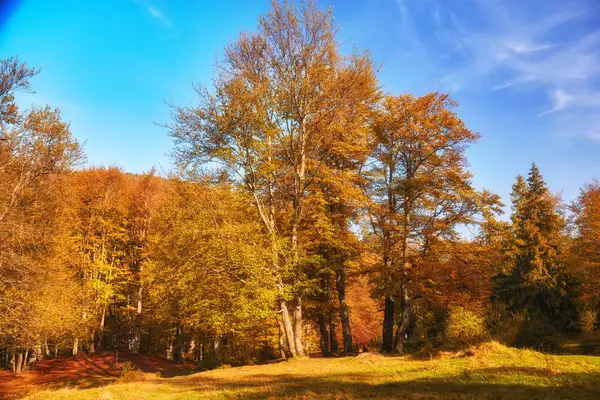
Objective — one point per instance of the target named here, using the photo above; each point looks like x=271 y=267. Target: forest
x=308 y=211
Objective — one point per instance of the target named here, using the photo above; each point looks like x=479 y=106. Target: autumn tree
x=585 y=254
x=98 y=215
x=281 y=97
x=209 y=269
x=418 y=191
x=36 y=149
x=146 y=195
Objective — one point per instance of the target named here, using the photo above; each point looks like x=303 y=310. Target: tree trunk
x=406 y=319
x=387 y=343
x=101 y=329
x=333 y=342
x=344 y=313
x=46 y=348
x=169 y=354
x=13 y=362
x=75 y=346
x=298 y=327
x=135 y=348
x=92 y=341
x=324 y=335
x=288 y=329
x=38 y=352
x=19 y=363
x=178 y=352
x=281 y=336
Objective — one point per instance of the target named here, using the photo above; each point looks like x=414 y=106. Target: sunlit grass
x=490 y=371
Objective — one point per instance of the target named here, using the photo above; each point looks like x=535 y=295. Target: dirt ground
x=83 y=371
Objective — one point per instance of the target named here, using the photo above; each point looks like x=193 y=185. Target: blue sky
x=526 y=73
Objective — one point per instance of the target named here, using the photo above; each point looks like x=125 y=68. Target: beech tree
x=281 y=97
x=418 y=191
x=208 y=271
x=585 y=257
x=36 y=148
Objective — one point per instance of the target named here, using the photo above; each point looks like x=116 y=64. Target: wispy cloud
x=516 y=46
x=155 y=13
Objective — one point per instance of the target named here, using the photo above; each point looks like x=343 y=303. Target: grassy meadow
x=487 y=371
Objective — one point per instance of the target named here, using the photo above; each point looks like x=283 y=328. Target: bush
x=587 y=321
x=538 y=333
x=130 y=373
x=505 y=326
x=465 y=327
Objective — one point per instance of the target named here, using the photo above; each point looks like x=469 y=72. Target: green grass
x=489 y=371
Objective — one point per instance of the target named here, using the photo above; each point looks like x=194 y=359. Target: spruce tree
x=535 y=284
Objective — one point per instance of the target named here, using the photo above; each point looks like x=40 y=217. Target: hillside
x=489 y=371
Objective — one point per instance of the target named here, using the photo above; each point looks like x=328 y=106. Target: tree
x=585 y=262
x=536 y=282
x=36 y=149
x=208 y=271
x=145 y=199
x=282 y=97
x=417 y=192
x=99 y=236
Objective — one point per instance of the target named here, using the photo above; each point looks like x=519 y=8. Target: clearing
x=488 y=371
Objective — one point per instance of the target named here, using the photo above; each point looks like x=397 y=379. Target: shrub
x=538 y=333
x=130 y=373
x=587 y=321
x=465 y=327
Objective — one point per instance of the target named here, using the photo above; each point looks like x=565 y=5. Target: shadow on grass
x=473 y=384
x=83 y=372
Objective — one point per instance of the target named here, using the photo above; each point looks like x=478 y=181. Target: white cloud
x=504 y=45
x=526 y=48
x=155 y=12
x=561 y=100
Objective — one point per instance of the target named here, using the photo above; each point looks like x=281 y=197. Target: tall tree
x=208 y=274
x=586 y=245
x=99 y=236
x=536 y=282
x=36 y=149
x=145 y=199
x=418 y=191
x=281 y=97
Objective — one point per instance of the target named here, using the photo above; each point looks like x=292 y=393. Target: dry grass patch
x=487 y=371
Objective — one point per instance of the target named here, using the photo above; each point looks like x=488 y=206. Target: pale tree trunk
x=169 y=354
x=38 y=352
x=280 y=334
x=92 y=341
x=287 y=328
x=19 y=363
x=298 y=327
x=405 y=307
x=101 y=329
x=135 y=347
x=406 y=318
x=75 y=346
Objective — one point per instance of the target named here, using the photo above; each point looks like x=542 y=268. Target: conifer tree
x=536 y=283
